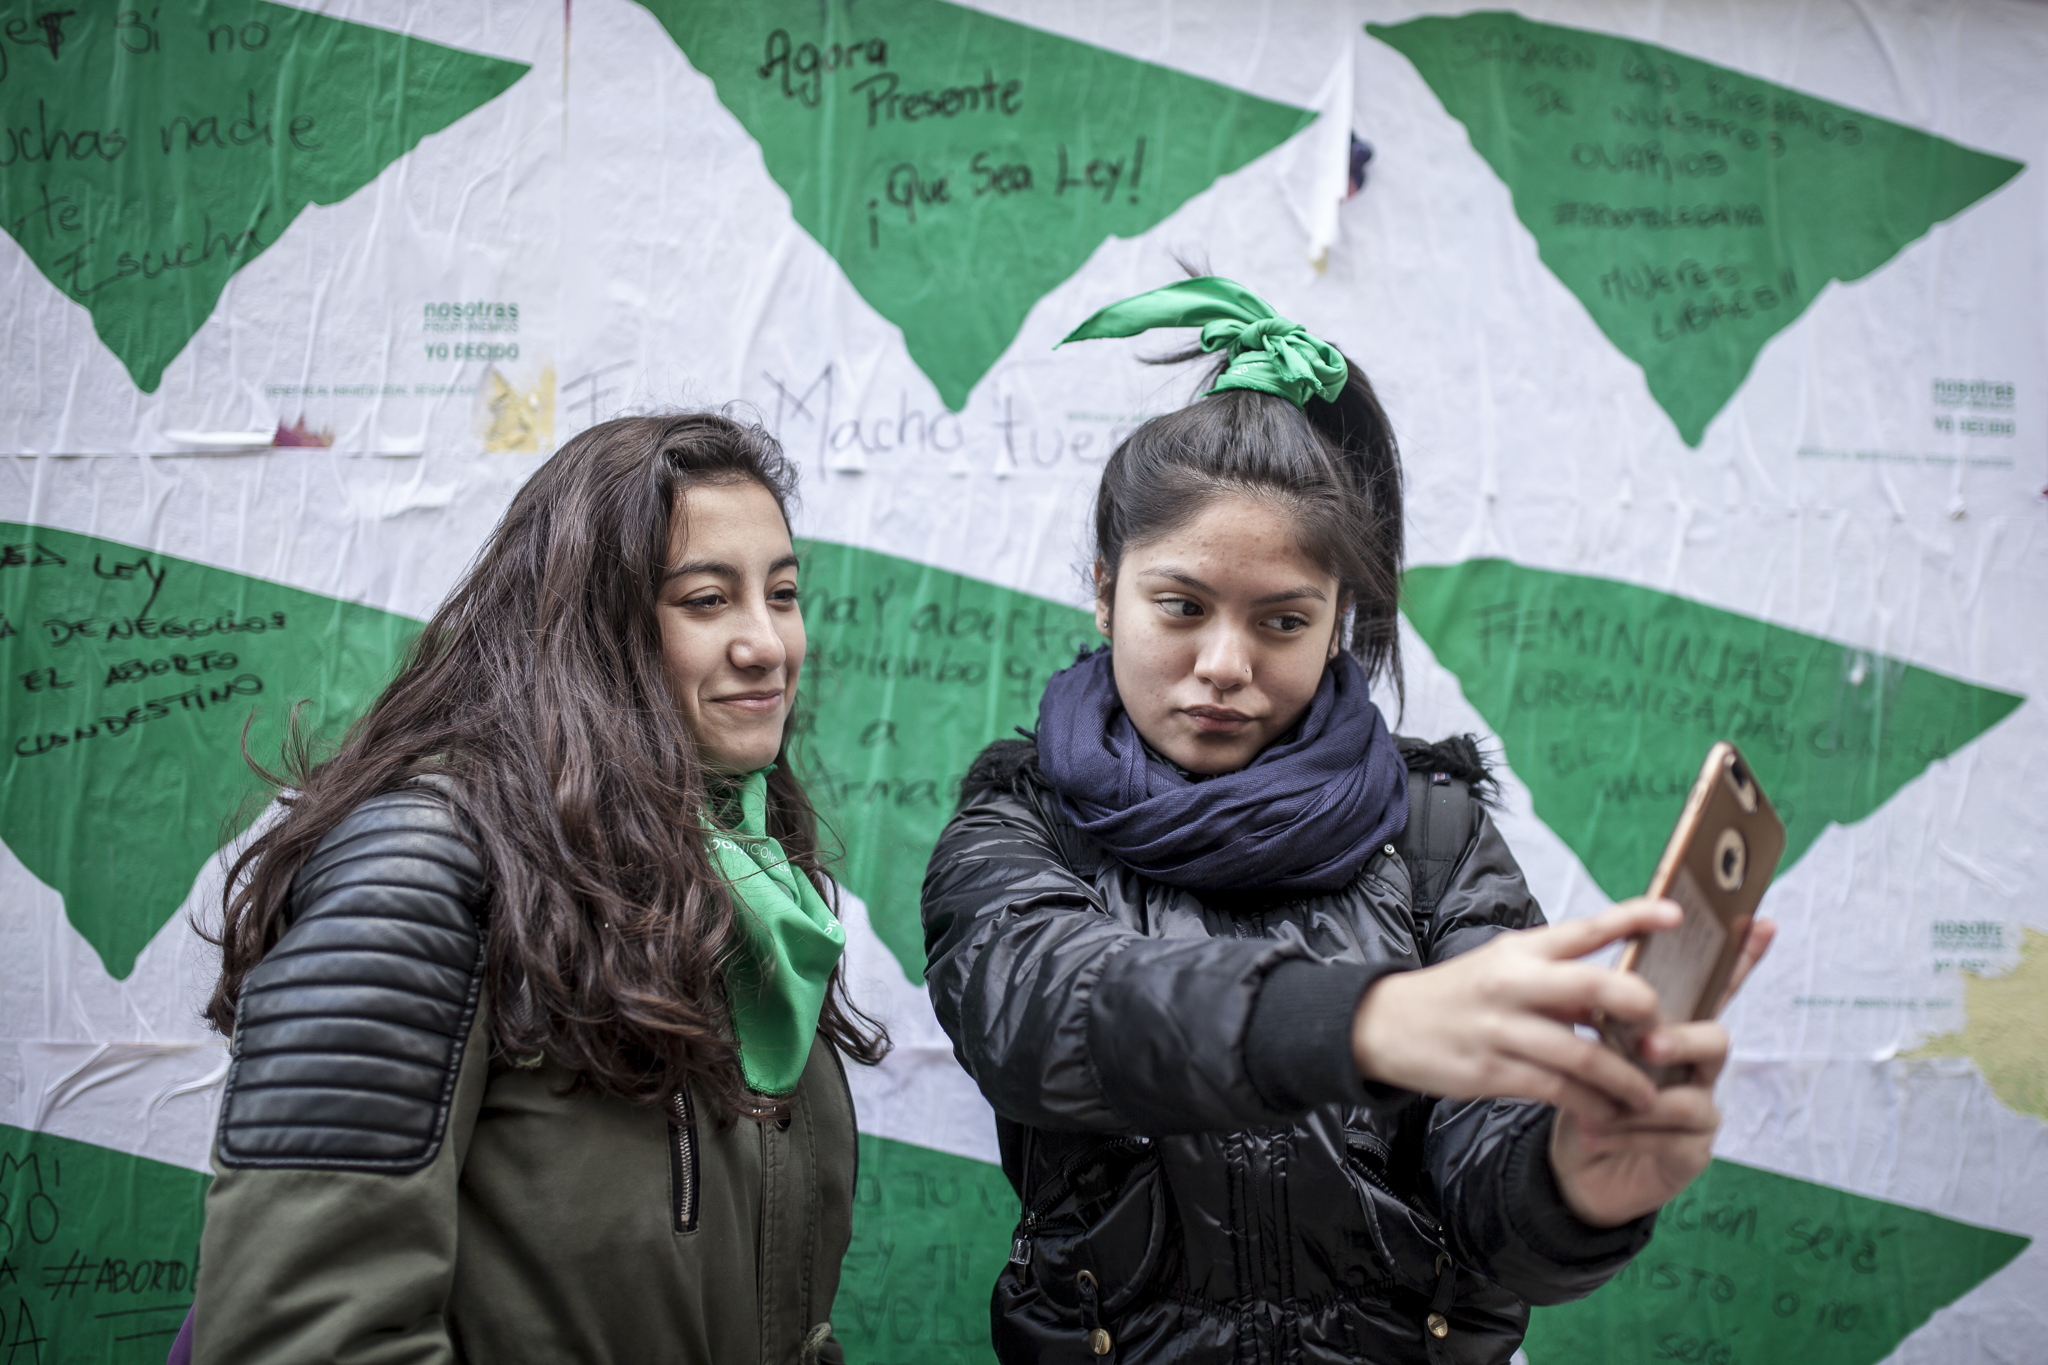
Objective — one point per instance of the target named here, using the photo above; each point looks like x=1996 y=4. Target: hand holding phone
x=1720 y=858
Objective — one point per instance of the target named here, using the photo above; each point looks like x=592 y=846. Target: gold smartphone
x=1719 y=859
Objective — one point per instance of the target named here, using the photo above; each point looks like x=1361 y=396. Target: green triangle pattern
x=152 y=154
x=911 y=672
x=959 y=166
x=1753 y=1267
x=930 y=1233
x=1693 y=209
x=99 y=1250
x=130 y=675
x=1607 y=696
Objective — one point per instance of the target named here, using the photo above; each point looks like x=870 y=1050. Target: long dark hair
x=1334 y=466
x=539 y=688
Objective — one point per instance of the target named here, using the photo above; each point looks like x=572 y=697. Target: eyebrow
x=718 y=568
x=1186 y=579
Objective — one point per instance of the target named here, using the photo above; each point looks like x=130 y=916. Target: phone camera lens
x=1742 y=782
x=1731 y=859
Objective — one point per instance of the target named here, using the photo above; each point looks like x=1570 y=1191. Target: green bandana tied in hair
x=1267 y=353
x=791 y=943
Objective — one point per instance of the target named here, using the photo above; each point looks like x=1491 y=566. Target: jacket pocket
x=1090 y=1244
x=1405 y=1230
x=682 y=1162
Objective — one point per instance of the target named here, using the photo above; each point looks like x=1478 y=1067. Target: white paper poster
x=1713 y=336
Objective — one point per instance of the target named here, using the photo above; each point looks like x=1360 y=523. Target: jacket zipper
x=846 y=1089
x=1056 y=1190
x=682 y=1160
x=1373 y=1177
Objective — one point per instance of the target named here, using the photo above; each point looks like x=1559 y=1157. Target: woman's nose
x=755 y=642
x=1225 y=659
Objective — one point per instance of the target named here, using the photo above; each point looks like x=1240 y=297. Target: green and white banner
x=1716 y=338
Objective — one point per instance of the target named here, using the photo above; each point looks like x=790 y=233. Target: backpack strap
x=1441 y=778
x=1439 y=825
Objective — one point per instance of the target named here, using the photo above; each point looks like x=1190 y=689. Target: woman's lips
x=1217 y=720
x=754 y=703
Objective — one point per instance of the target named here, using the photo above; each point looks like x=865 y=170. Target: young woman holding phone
x=532 y=985
x=1274 y=1082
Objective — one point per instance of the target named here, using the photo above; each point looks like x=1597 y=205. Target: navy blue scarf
x=1306 y=815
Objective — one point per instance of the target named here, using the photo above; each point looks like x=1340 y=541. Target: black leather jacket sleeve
x=1069 y=1019
x=359 y=1063
x=349 y=1033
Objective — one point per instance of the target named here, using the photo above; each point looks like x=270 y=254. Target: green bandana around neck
x=1267 y=353
x=791 y=943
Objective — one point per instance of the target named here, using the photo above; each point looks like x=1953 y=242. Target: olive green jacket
x=387 y=1191
x=548 y=1229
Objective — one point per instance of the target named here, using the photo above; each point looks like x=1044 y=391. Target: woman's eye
x=706 y=602
x=1179 y=606
x=1288 y=624
x=784 y=596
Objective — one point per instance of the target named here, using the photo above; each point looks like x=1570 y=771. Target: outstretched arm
x=1498 y=1022
x=1551 y=1149
x=1068 y=1018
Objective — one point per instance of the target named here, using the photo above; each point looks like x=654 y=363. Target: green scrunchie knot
x=1267 y=353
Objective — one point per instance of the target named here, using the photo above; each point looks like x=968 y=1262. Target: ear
x=1105 y=589
x=1337 y=628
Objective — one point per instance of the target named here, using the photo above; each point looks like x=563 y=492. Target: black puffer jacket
x=1204 y=1176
